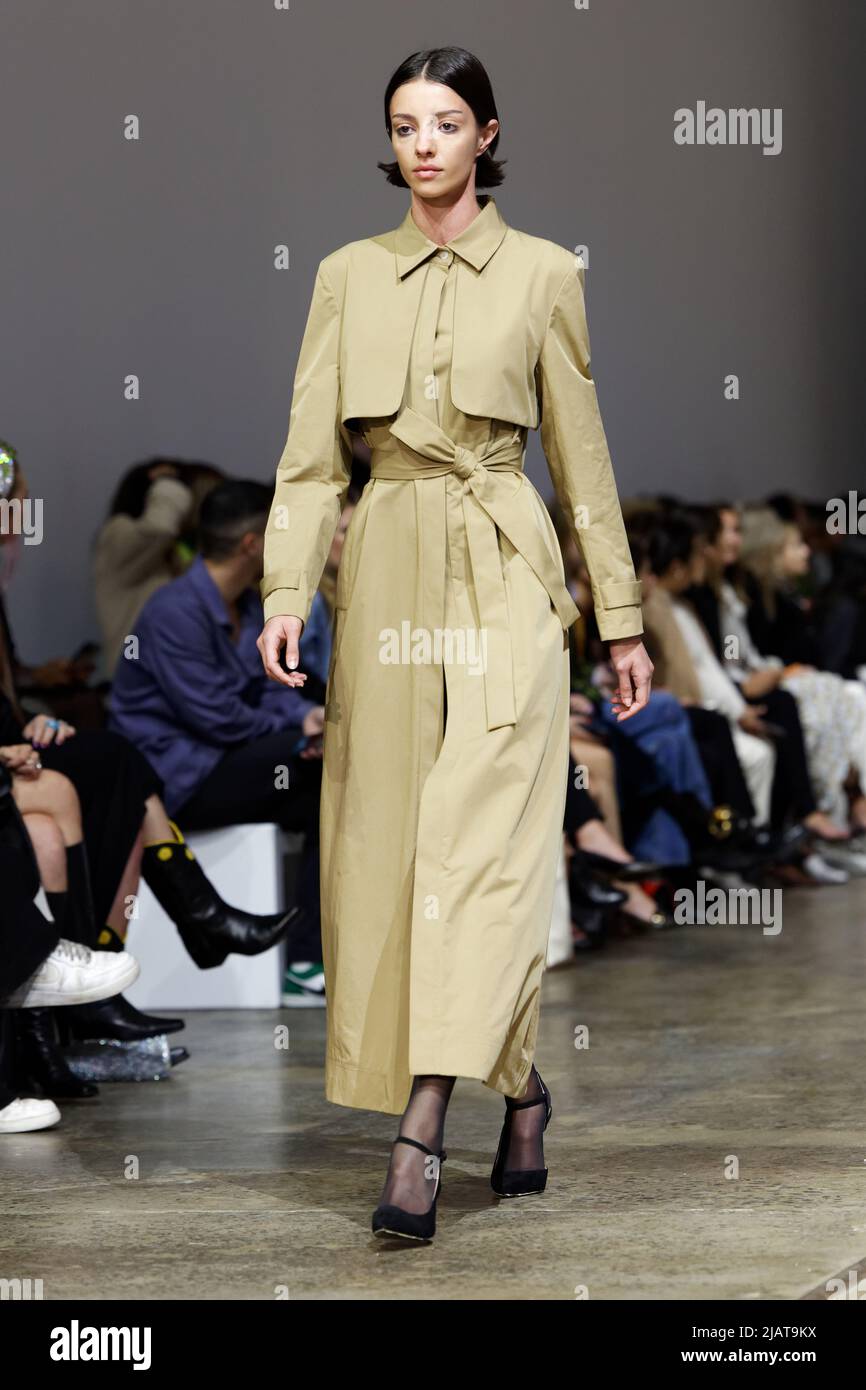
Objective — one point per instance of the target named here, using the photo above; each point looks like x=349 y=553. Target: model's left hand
x=634 y=673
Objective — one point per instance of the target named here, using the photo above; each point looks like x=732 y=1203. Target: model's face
x=436 y=139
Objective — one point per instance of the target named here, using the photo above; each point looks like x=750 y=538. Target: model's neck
x=443 y=222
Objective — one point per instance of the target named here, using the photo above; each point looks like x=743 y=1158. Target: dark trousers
x=241 y=790
x=712 y=733
x=579 y=805
x=792 y=795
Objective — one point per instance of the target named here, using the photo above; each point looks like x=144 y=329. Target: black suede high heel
x=519 y=1182
x=389 y=1220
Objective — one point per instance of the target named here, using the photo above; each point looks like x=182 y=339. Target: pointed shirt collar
x=475 y=244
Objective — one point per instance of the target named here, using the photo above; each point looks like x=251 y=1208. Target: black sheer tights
x=411 y=1180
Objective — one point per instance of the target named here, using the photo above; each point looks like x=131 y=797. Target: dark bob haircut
x=464 y=74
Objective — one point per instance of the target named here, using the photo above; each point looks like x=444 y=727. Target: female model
x=447 y=718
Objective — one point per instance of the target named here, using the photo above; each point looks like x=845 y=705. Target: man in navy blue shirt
x=230 y=745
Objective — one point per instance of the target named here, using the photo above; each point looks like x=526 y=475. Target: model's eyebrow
x=404 y=115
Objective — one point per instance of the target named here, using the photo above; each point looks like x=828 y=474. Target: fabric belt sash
x=421 y=449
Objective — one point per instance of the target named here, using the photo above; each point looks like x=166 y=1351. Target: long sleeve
x=575 y=446
x=313 y=472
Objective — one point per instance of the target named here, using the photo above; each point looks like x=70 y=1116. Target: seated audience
x=229 y=745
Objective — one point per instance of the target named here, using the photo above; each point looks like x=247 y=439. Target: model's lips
x=428 y=169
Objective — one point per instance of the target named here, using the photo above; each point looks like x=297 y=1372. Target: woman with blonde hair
x=757 y=559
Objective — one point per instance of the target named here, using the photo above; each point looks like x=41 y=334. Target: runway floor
x=707 y=1044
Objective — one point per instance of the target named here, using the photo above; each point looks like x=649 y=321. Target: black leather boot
x=210 y=929
x=39 y=1060
x=112 y=1018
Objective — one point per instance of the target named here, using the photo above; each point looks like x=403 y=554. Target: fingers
x=273 y=637
x=624 y=680
x=626 y=707
x=270 y=644
x=292 y=656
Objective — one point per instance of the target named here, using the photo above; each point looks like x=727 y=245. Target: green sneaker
x=304 y=985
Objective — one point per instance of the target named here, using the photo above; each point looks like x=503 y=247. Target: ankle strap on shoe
x=402 y=1139
x=522 y=1104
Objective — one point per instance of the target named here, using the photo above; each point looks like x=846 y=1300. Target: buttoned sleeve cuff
x=617 y=609
x=285 y=594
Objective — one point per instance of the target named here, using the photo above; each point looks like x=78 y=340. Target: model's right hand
x=276 y=634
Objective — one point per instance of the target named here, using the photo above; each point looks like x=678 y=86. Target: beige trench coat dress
x=447 y=707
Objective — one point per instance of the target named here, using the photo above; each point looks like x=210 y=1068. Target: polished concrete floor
x=712 y=1049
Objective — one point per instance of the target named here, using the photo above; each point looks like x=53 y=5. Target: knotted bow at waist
x=417 y=448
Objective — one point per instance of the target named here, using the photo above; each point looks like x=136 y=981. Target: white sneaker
x=847 y=856
x=818 y=867
x=29 y=1113
x=73 y=974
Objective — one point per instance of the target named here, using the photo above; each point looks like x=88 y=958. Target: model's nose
x=425 y=143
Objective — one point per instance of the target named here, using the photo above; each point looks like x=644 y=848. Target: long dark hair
x=464 y=74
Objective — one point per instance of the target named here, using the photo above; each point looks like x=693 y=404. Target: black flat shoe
x=389 y=1220
x=519 y=1182
x=660 y=919
x=113 y=1018
x=631 y=871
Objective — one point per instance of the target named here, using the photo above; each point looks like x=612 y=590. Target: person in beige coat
x=443 y=342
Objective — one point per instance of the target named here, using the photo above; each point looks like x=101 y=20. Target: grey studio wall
x=262 y=126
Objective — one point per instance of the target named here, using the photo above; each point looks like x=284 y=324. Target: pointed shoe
x=519 y=1182
x=390 y=1220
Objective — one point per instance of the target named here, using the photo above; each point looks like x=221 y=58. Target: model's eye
x=401 y=129
x=451 y=126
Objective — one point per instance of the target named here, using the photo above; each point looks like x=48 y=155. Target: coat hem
x=360 y=1089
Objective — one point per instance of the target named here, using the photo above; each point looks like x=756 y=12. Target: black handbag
x=13 y=836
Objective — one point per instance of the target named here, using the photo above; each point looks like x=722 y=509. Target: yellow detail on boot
x=178 y=838
x=165 y=852
x=181 y=841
